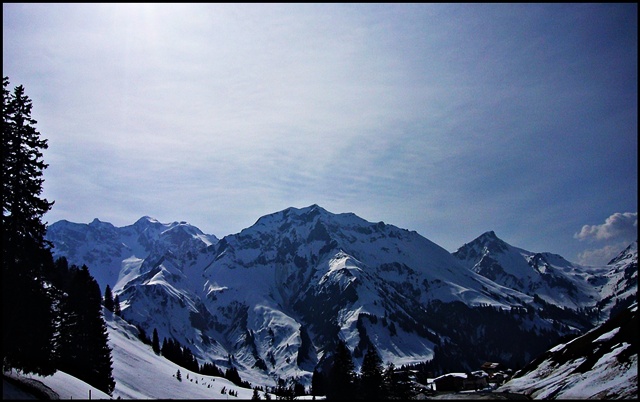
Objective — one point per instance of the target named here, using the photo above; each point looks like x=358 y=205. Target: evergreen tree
x=179 y=375
x=371 y=375
x=317 y=383
x=27 y=301
x=388 y=381
x=211 y=369
x=342 y=374
x=28 y=321
x=108 y=299
x=298 y=389
x=232 y=375
x=396 y=384
x=84 y=350
x=116 y=306
x=22 y=207
x=155 y=343
x=142 y=335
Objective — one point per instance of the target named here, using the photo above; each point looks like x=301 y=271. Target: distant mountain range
x=273 y=299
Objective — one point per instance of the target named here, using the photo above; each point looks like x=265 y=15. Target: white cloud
x=617 y=226
x=616 y=233
x=602 y=255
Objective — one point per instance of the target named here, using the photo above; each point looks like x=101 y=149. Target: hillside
x=140 y=374
x=601 y=364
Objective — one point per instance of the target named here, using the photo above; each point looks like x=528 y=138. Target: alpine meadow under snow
x=141 y=374
x=272 y=300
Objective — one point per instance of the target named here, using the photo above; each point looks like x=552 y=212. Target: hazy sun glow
x=448 y=119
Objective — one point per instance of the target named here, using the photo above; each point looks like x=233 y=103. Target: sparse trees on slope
x=211 y=369
x=27 y=303
x=180 y=355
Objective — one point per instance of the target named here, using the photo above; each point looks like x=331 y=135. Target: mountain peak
x=488 y=240
x=490 y=235
x=630 y=252
x=485 y=244
x=146 y=220
x=306 y=214
x=97 y=223
x=311 y=209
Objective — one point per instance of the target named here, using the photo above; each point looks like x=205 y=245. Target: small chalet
x=460 y=382
x=491 y=368
x=497 y=373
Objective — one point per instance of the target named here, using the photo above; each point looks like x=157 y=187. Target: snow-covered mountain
x=552 y=278
x=273 y=299
x=618 y=282
x=547 y=275
x=117 y=254
x=601 y=364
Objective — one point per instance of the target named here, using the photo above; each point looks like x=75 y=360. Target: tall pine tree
x=317 y=383
x=155 y=342
x=108 y=299
x=342 y=374
x=116 y=306
x=84 y=350
x=27 y=301
x=371 y=375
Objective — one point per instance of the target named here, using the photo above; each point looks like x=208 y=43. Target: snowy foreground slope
x=601 y=364
x=141 y=374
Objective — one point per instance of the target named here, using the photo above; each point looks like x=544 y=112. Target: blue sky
x=447 y=119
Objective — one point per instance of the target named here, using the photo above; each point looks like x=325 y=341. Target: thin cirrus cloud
x=446 y=119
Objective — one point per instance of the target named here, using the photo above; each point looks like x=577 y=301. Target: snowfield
x=141 y=374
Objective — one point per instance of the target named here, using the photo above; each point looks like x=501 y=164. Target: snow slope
x=141 y=374
x=619 y=283
x=601 y=364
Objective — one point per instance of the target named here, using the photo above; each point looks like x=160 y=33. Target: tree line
x=340 y=380
x=181 y=355
x=52 y=312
